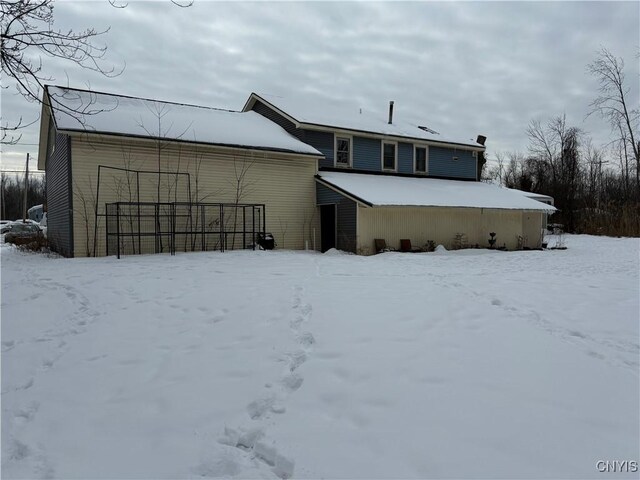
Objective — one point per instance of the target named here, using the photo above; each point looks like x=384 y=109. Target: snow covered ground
x=469 y=364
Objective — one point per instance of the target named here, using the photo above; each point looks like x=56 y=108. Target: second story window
x=389 y=156
x=421 y=160
x=343 y=151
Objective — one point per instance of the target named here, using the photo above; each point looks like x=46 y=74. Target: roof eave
x=46 y=117
x=400 y=138
x=343 y=192
x=193 y=142
x=324 y=127
x=533 y=210
x=254 y=97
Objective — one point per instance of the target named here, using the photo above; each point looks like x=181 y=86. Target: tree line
x=595 y=188
x=12 y=194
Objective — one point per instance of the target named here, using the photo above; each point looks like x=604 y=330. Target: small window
x=389 y=156
x=421 y=160
x=343 y=151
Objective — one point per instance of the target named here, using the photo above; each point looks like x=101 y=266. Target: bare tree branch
x=612 y=105
x=27 y=34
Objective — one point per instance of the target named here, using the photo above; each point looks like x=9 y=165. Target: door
x=327 y=227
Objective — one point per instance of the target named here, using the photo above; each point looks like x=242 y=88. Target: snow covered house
x=313 y=178
x=100 y=149
x=393 y=180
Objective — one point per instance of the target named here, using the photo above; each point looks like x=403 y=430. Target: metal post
x=106 y=209
x=221 y=228
x=138 y=202
x=172 y=220
x=244 y=227
x=95 y=221
x=118 y=227
x=26 y=188
x=157 y=225
x=202 y=227
x=253 y=225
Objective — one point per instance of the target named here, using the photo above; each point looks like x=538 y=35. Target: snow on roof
x=120 y=115
x=307 y=111
x=538 y=196
x=386 y=190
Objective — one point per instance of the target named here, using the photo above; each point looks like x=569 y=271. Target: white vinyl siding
x=284 y=182
x=441 y=224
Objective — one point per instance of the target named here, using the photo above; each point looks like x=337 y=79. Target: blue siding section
x=405 y=157
x=367 y=151
x=441 y=163
x=326 y=196
x=275 y=117
x=346 y=216
x=367 y=154
x=322 y=141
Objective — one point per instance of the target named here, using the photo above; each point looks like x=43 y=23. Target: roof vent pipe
x=390 y=112
x=481 y=139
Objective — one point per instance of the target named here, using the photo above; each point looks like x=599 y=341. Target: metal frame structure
x=182 y=226
x=137 y=173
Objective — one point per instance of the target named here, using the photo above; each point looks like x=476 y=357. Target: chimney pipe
x=390 y=112
x=481 y=139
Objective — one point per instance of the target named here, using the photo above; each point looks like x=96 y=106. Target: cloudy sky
x=466 y=68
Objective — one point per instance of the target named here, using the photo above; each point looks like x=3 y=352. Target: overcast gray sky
x=467 y=68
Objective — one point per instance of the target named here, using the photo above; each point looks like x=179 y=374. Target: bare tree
x=163 y=140
x=612 y=105
x=495 y=173
x=86 y=208
x=242 y=187
x=27 y=34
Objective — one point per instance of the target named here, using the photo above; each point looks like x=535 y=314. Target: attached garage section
x=448 y=212
x=442 y=224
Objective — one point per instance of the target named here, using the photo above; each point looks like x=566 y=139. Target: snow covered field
x=469 y=364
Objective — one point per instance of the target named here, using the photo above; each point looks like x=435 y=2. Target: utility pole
x=4 y=210
x=26 y=186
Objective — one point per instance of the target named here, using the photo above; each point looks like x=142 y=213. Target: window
x=343 y=151
x=389 y=156
x=421 y=160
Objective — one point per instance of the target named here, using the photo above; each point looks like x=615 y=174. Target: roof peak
x=144 y=99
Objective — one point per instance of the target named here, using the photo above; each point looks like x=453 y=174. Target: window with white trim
x=389 y=156
x=420 y=165
x=343 y=151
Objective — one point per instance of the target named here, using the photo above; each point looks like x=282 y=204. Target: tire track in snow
x=254 y=439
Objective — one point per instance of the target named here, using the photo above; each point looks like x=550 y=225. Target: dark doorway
x=327 y=227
